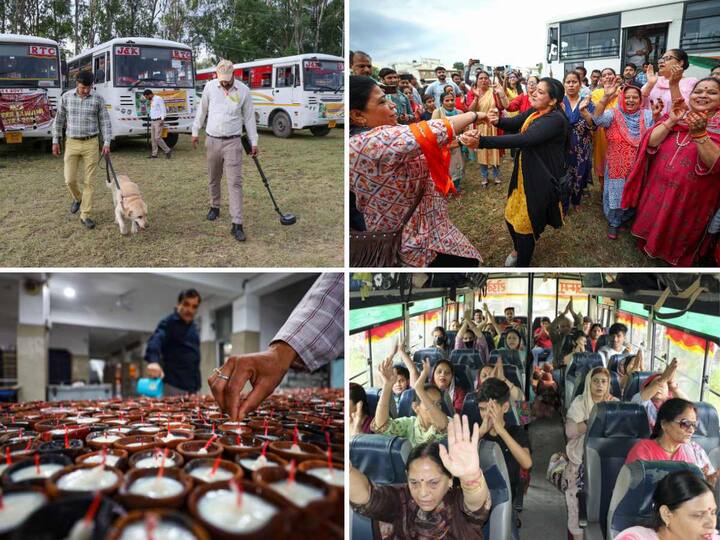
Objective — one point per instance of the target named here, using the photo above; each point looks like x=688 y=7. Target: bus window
x=712 y=390
x=28 y=66
x=284 y=77
x=359 y=354
x=416 y=333
x=660 y=356
x=568 y=289
x=544 y=304
x=432 y=319
x=690 y=352
x=382 y=340
x=323 y=75
x=153 y=66
x=506 y=292
x=245 y=76
x=75 y=67
x=100 y=69
x=260 y=77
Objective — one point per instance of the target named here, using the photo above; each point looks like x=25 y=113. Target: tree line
x=239 y=30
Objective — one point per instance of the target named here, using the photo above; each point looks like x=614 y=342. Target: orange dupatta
x=438 y=159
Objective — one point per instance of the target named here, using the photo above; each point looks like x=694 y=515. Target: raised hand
x=498 y=89
x=461 y=457
x=584 y=103
x=657 y=108
x=678 y=109
x=423 y=374
x=499 y=372
x=697 y=122
x=496 y=413
x=611 y=90
x=710 y=478
x=676 y=73
x=356 y=419
x=652 y=77
x=669 y=372
x=387 y=372
x=493 y=116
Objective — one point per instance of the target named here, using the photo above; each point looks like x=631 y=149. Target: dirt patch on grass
x=305 y=173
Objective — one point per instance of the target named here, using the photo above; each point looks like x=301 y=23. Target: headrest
x=432 y=353
x=631 y=502
x=469 y=357
x=615 y=419
x=633 y=386
x=584 y=360
x=373 y=394
x=707 y=421
x=406 y=401
x=380 y=457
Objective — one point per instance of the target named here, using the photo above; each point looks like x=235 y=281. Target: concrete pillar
x=246 y=324
x=32 y=343
x=208 y=347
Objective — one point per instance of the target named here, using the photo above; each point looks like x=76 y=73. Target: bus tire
x=281 y=125
x=172 y=139
x=319 y=131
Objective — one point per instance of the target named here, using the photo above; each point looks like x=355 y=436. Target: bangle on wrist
x=699 y=135
x=476 y=481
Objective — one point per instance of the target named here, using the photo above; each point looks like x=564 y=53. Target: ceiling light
x=69 y=292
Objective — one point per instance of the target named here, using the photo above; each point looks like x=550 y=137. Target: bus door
x=286 y=81
x=101 y=68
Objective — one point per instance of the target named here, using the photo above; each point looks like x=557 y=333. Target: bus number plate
x=332 y=124
x=164 y=133
x=13 y=137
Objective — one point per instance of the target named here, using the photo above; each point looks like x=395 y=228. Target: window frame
x=684 y=45
x=587 y=55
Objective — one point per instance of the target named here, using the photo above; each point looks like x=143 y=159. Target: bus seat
x=463 y=378
x=382 y=459
x=613 y=429
x=512 y=374
x=466 y=357
x=635 y=383
x=580 y=361
x=631 y=502
x=500 y=523
x=615 y=385
x=707 y=434
x=451 y=335
x=373 y=396
x=614 y=361
x=509 y=356
x=406 y=401
x=470 y=409
x=432 y=353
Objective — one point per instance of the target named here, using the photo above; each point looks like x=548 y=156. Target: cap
x=225 y=70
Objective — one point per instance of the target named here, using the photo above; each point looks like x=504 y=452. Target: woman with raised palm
x=446 y=495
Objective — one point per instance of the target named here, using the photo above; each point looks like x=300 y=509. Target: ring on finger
x=220 y=374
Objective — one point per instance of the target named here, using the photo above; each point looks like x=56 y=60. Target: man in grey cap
x=228 y=106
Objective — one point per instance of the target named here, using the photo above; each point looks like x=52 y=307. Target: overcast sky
x=494 y=31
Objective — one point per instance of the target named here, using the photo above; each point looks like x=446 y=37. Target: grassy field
x=581 y=242
x=305 y=174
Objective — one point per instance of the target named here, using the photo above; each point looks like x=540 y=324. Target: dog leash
x=109 y=169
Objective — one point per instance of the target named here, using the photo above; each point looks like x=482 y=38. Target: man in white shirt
x=228 y=106
x=157 y=120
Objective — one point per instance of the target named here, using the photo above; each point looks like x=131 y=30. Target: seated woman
x=574 y=344
x=684 y=508
x=597 y=390
x=360 y=418
x=470 y=336
x=391 y=175
x=443 y=376
x=672 y=218
x=627 y=366
x=429 y=422
x=446 y=495
x=671 y=437
x=596 y=330
x=656 y=390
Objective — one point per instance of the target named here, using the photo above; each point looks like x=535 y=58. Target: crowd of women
x=444 y=499
x=655 y=150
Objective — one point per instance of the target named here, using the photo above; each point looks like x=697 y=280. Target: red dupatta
x=621 y=157
x=438 y=159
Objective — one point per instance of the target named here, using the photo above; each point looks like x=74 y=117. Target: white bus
x=595 y=39
x=124 y=67
x=292 y=92
x=30 y=87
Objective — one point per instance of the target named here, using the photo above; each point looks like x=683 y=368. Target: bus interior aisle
x=544 y=506
x=562 y=373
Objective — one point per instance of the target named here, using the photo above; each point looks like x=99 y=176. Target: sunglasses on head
x=686 y=424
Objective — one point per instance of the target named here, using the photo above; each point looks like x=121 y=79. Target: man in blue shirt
x=174 y=347
x=437 y=88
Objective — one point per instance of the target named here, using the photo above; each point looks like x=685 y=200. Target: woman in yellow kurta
x=483 y=102
x=599 y=140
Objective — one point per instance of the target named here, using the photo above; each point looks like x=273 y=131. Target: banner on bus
x=20 y=111
x=175 y=102
x=331 y=111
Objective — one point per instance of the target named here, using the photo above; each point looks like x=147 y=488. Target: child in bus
x=541 y=335
x=429 y=422
x=591 y=345
x=360 y=419
x=493 y=400
x=402 y=383
x=497 y=371
x=470 y=336
x=440 y=340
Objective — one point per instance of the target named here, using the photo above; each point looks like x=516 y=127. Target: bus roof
x=131 y=41
x=19 y=38
x=589 y=11
x=261 y=61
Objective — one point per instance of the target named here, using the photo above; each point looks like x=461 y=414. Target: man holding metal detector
x=228 y=106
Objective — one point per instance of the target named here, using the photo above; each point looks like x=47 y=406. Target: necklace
x=680 y=145
x=669 y=452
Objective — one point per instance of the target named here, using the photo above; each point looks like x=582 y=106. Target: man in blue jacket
x=174 y=347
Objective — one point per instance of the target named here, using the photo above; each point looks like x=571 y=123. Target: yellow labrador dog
x=129 y=205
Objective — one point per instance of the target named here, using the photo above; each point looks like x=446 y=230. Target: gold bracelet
x=702 y=140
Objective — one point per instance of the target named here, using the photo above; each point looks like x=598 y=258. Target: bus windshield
x=323 y=75
x=24 y=65
x=153 y=66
